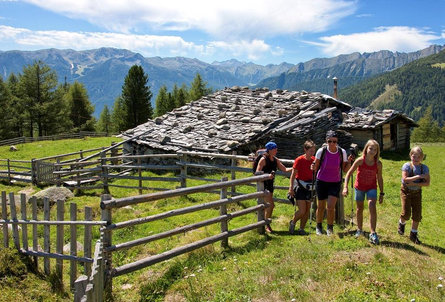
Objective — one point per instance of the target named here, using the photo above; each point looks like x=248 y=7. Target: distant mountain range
x=102 y=71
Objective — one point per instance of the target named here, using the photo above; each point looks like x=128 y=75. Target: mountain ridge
x=102 y=70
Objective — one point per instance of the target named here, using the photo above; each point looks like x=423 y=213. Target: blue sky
x=259 y=31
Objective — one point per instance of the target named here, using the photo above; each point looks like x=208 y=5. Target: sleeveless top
x=366 y=177
x=270 y=165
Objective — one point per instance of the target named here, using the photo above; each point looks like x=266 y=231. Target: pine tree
x=5 y=106
x=136 y=97
x=104 y=124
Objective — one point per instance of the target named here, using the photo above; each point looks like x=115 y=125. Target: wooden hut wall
x=403 y=136
x=360 y=137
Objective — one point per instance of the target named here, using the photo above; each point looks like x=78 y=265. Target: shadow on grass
x=436 y=248
x=404 y=246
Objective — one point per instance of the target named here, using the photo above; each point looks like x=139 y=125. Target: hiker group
x=317 y=175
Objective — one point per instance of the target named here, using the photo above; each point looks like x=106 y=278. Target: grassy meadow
x=273 y=267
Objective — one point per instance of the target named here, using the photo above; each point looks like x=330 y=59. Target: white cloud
x=147 y=45
x=247 y=19
x=397 y=38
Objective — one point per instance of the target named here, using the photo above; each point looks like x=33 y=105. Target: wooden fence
x=108 y=205
x=28 y=241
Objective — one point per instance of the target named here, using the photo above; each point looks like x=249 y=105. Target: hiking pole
x=312 y=199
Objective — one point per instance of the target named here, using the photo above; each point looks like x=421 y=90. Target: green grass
x=280 y=267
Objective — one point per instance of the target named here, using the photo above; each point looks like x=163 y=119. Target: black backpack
x=258 y=154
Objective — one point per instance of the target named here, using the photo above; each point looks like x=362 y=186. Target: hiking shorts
x=360 y=195
x=411 y=204
x=268 y=185
x=302 y=194
x=325 y=189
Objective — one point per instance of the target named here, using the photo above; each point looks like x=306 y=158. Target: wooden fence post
x=183 y=170
x=15 y=227
x=35 y=241
x=140 y=175
x=223 y=211
x=59 y=177
x=9 y=170
x=88 y=236
x=46 y=236
x=59 y=238
x=340 y=211
x=4 y=217
x=34 y=171
x=103 y=161
x=233 y=165
x=106 y=216
x=260 y=200
x=73 y=244
x=24 y=226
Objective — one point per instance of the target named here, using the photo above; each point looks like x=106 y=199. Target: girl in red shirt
x=300 y=178
x=369 y=174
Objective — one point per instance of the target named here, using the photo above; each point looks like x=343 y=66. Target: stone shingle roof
x=359 y=118
x=235 y=116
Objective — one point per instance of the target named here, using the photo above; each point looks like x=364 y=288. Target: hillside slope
x=409 y=89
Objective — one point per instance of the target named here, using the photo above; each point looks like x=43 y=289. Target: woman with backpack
x=330 y=161
x=269 y=164
x=369 y=175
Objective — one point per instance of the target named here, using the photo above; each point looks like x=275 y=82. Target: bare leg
x=320 y=210
x=360 y=215
x=332 y=200
x=372 y=214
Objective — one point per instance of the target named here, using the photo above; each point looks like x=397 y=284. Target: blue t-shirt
x=417 y=170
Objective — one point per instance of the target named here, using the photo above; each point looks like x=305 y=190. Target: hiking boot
x=401 y=229
x=329 y=232
x=268 y=228
x=318 y=231
x=374 y=239
x=291 y=227
x=414 y=238
x=302 y=232
x=358 y=233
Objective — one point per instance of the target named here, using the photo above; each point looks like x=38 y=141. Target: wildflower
x=440 y=286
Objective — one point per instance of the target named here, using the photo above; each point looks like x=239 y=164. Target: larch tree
x=37 y=87
x=104 y=124
x=81 y=109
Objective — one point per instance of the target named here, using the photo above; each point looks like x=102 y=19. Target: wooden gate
x=45 y=172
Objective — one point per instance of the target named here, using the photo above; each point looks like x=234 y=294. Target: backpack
x=258 y=154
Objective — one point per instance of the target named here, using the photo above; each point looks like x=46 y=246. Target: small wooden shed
x=390 y=128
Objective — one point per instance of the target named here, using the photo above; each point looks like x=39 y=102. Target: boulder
x=53 y=194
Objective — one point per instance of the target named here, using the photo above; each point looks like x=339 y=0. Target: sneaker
x=302 y=232
x=414 y=238
x=329 y=232
x=374 y=239
x=401 y=229
x=268 y=228
x=291 y=227
x=318 y=231
x=358 y=233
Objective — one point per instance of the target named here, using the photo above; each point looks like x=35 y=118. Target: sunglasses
x=332 y=142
